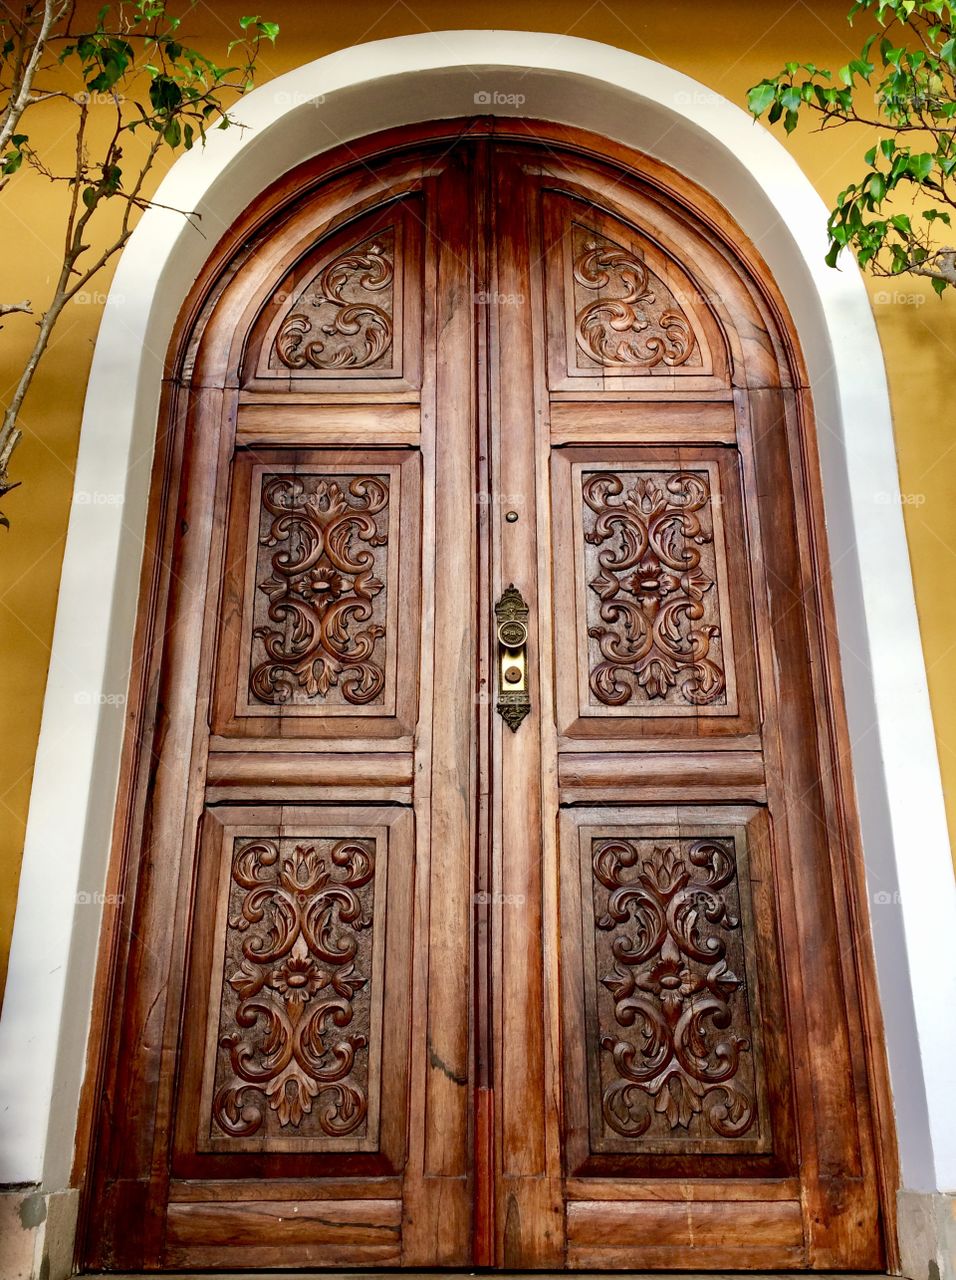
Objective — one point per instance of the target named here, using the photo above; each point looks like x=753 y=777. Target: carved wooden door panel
x=287 y=1084
x=672 y=958
x=396 y=980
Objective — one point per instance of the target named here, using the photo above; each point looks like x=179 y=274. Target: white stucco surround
x=635 y=101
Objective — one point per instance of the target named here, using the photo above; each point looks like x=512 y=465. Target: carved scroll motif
x=294 y=1024
x=635 y=322
x=653 y=610
x=321 y=567
x=673 y=1020
x=344 y=319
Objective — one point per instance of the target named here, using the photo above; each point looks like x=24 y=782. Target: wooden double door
x=484 y=829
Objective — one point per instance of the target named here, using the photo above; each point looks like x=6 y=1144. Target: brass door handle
x=514 y=701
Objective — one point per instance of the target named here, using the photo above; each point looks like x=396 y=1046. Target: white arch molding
x=650 y=107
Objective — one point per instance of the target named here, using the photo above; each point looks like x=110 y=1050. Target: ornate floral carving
x=654 y=610
x=294 y=1021
x=636 y=321
x=322 y=633
x=350 y=303
x=673 y=1019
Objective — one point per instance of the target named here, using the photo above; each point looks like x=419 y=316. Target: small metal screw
x=511 y=517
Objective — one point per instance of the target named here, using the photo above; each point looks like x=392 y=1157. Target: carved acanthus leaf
x=344 y=319
x=653 y=609
x=321 y=567
x=293 y=1039
x=634 y=323
x=673 y=1023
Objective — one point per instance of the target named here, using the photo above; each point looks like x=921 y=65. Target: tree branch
x=20 y=98
x=941 y=265
x=185 y=90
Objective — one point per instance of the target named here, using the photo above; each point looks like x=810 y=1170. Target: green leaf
x=920 y=166
x=165 y=94
x=938 y=284
x=900 y=261
x=760 y=97
x=875 y=187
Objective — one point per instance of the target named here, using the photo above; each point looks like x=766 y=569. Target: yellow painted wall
x=727 y=46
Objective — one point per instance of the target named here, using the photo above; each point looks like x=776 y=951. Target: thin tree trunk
x=52 y=12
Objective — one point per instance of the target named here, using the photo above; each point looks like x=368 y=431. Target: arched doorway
x=486 y=809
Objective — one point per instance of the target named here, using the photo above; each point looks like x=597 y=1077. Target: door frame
x=95 y=626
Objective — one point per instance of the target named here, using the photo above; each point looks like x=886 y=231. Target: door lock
x=514 y=701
